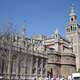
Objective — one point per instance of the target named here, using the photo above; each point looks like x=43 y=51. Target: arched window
x=71 y=19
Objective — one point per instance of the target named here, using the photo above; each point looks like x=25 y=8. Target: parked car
x=74 y=76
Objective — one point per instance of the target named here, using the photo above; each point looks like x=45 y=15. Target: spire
x=72 y=11
x=72 y=14
x=23 y=30
x=56 y=34
x=23 y=33
x=56 y=31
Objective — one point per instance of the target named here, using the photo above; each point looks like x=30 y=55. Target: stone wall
x=61 y=64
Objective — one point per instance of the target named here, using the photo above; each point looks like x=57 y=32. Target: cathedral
x=22 y=58
x=38 y=57
x=64 y=52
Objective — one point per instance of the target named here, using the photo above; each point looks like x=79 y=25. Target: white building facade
x=22 y=59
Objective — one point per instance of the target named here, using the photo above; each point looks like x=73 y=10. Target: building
x=63 y=52
x=73 y=35
x=22 y=58
x=61 y=60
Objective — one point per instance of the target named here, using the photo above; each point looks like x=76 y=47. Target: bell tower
x=72 y=15
x=73 y=34
x=71 y=28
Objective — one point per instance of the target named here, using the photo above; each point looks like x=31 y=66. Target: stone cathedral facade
x=61 y=60
x=24 y=58
x=64 y=53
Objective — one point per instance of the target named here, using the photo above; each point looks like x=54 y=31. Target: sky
x=39 y=16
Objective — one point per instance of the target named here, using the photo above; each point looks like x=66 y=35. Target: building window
x=71 y=19
x=68 y=30
x=2 y=66
x=33 y=70
x=71 y=27
x=74 y=28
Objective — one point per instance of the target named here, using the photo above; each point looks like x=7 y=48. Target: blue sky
x=40 y=16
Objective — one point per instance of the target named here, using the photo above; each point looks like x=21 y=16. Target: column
x=9 y=65
x=41 y=68
x=45 y=67
x=30 y=65
x=37 y=68
x=25 y=66
x=18 y=68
